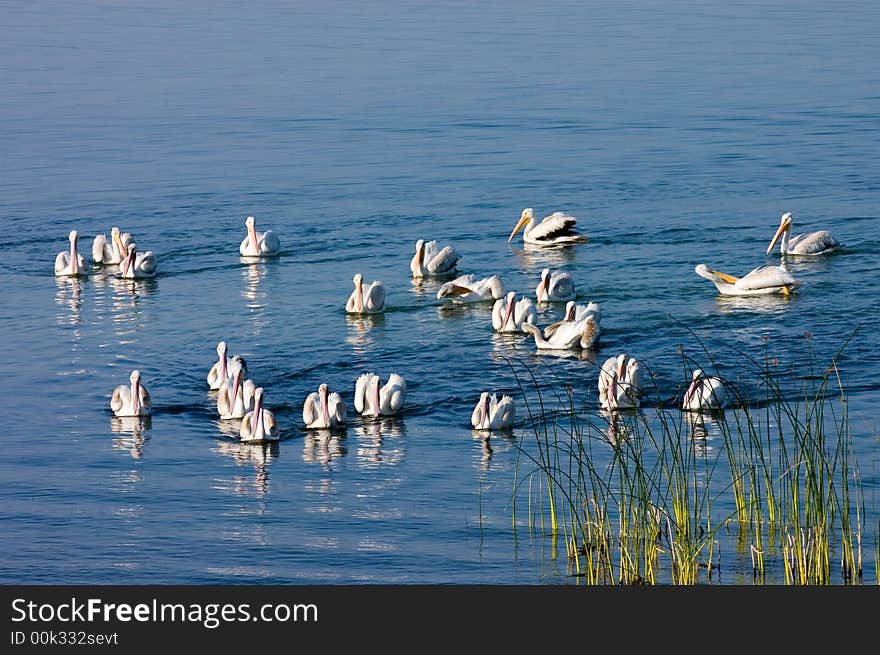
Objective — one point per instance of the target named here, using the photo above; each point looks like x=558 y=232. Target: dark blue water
x=676 y=133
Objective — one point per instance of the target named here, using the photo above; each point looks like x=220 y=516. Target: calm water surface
x=676 y=133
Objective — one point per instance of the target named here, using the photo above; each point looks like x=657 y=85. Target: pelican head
x=545 y=283
x=73 y=236
x=135 y=376
x=221 y=349
x=569 y=311
x=420 y=244
x=784 y=225
x=357 y=279
x=249 y=221
x=527 y=216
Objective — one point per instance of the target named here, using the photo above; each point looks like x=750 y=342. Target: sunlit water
x=676 y=134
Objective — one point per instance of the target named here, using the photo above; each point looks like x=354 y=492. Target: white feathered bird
x=492 y=413
x=467 y=288
x=133 y=400
x=820 y=242
x=323 y=409
x=259 y=424
x=371 y=398
x=621 y=383
x=366 y=298
x=553 y=230
x=258 y=244
x=705 y=392
x=138 y=265
x=760 y=281
x=70 y=262
x=509 y=314
x=113 y=250
x=432 y=260
x=555 y=286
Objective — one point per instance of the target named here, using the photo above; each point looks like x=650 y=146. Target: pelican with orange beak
x=110 y=252
x=371 y=398
x=820 y=242
x=554 y=230
x=760 y=281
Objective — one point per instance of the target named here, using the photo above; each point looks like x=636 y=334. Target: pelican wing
x=311 y=408
x=336 y=408
x=503 y=412
x=813 y=243
x=393 y=394
x=374 y=296
x=439 y=260
x=764 y=277
x=269 y=243
x=102 y=253
x=589 y=333
x=62 y=263
x=556 y=225
x=525 y=312
x=561 y=285
x=121 y=397
x=360 y=392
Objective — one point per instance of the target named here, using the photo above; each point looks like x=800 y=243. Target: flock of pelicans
x=621 y=378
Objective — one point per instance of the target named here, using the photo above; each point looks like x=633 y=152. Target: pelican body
x=106 y=252
x=137 y=265
x=431 y=260
x=508 y=315
x=621 y=383
x=705 y=392
x=219 y=373
x=71 y=263
x=575 y=313
x=324 y=409
x=555 y=286
x=570 y=335
x=373 y=399
x=131 y=400
x=258 y=244
x=760 y=281
x=467 y=288
x=553 y=230
x=810 y=243
x=490 y=413
x=258 y=424
x=366 y=298
x=236 y=395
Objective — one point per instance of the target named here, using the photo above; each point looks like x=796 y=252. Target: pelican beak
x=522 y=221
x=507 y=314
x=117 y=241
x=725 y=277
x=783 y=226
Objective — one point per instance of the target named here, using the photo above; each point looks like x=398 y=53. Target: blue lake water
x=677 y=134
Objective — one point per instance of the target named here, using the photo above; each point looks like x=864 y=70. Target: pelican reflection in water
x=129 y=431
x=323 y=446
x=379 y=442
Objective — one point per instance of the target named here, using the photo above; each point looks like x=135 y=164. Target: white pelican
x=137 y=265
x=509 y=316
x=112 y=251
x=467 y=288
x=574 y=313
x=555 y=286
x=258 y=424
x=704 y=392
x=555 y=229
x=219 y=372
x=758 y=282
x=71 y=263
x=366 y=298
x=490 y=413
x=131 y=401
x=323 y=409
x=809 y=243
x=235 y=397
x=431 y=260
x=371 y=399
x=621 y=382
x=568 y=335
x=258 y=244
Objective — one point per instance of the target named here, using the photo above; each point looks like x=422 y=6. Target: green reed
x=634 y=493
